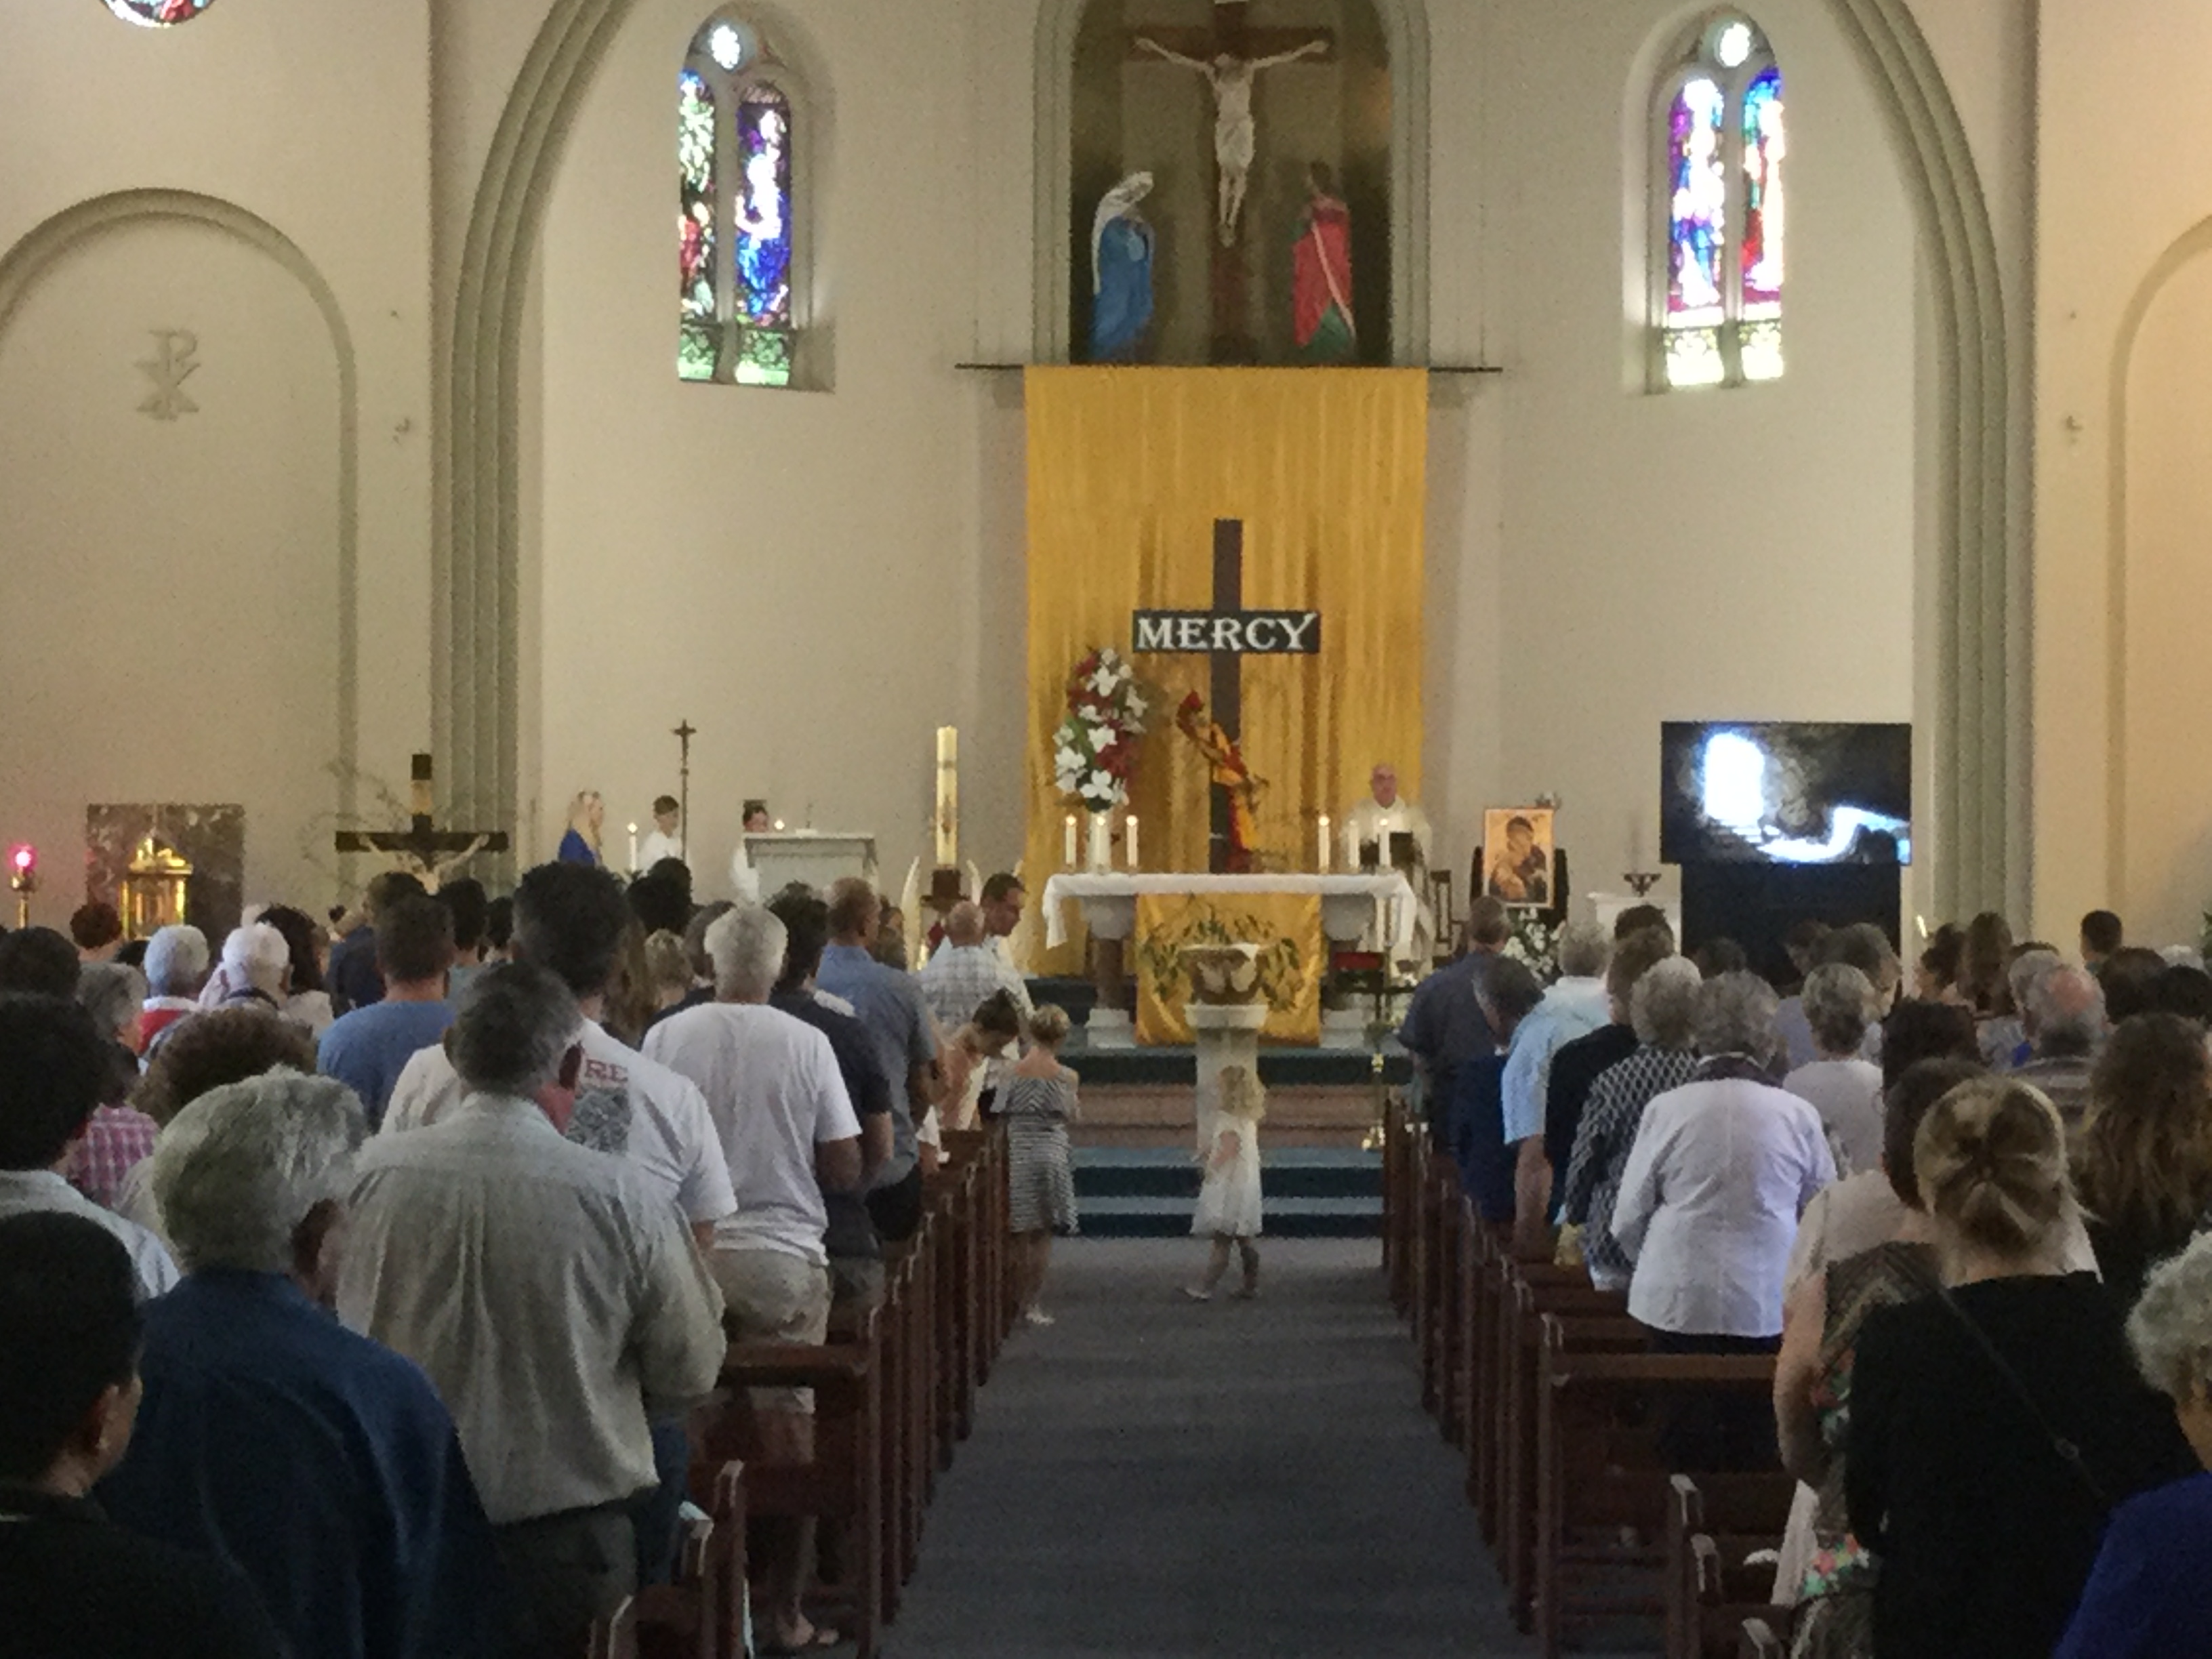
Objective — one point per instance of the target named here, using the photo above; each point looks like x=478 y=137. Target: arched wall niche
x=1385 y=121
x=26 y=266
x=2159 y=832
x=1132 y=113
x=1974 y=457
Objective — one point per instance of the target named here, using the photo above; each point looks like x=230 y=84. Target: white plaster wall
x=168 y=641
x=2120 y=523
x=313 y=115
x=800 y=574
x=1724 y=554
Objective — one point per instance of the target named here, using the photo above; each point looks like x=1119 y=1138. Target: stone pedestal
x=1226 y=1034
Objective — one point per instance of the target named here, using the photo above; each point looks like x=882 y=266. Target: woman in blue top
x=581 y=844
x=2150 y=1592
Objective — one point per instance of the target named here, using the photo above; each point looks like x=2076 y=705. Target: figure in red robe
x=1320 y=276
x=1230 y=774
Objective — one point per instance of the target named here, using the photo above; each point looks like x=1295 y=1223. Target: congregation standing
x=358 y=1282
x=1967 y=1206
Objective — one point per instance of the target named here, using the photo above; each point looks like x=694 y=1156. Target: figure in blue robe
x=1122 y=246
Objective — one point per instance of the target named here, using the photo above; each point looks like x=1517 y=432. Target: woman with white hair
x=1662 y=1008
x=2147 y=1597
x=1721 y=1170
x=176 y=970
x=322 y=1464
x=1843 y=1085
x=257 y=967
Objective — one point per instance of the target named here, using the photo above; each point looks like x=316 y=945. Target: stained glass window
x=1718 y=284
x=158 y=14
x=736 y=219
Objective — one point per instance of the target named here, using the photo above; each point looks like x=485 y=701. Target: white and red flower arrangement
x=1094 y=750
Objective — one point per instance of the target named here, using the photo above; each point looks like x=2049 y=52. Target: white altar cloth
x=1350 y=905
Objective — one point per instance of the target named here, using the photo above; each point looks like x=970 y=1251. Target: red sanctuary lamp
x=23 y=879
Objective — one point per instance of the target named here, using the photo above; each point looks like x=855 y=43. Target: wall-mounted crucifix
x=1231 y=55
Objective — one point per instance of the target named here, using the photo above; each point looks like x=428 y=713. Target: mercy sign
x=1243 y=633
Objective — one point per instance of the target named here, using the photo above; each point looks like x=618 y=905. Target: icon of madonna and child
x=1123 y=244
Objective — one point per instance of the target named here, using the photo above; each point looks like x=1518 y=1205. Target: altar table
x=1352 y=907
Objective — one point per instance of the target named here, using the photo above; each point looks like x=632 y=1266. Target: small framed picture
x=1517 y=848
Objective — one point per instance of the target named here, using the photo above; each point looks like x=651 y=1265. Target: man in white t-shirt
x=789 y=1132
x=570 y=920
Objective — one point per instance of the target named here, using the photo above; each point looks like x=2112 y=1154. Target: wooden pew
x=1399 y=1129
x=842 y=1486
x=1456 y=1217
x=1713 y=1522
x=615 y=1636
x=1600 y=1489
x=683 y=1620
x=1586 y=1320
x=1523 y=1293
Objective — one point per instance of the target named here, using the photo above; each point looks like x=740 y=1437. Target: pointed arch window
x=1718 y=219
x=737 y=135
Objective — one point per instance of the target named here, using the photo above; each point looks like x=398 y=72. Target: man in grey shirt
x=553 y=1295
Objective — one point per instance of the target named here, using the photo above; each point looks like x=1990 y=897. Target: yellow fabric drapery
x=1286 y=927
x=1129 y=469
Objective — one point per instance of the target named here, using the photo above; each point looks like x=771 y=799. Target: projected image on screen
x=1773 y=793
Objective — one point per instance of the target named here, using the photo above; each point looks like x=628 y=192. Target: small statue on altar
x=1229 y=773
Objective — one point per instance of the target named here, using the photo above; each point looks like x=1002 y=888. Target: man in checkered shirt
x=966 y=970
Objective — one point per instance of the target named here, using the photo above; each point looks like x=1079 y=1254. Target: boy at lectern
x=1229 y=1201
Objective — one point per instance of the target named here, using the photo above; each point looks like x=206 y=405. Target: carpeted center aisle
x=1154 y=1477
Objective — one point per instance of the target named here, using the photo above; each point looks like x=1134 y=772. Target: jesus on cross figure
x=1236 y=142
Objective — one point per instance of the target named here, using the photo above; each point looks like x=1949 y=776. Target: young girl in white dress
x=1229 y=1201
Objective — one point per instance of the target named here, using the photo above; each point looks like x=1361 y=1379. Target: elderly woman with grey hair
x=2146 y=1596
x=1662 y=1010
x=1842 y=1086
x=116 y=1138
x=1721 y=1170
x=320 y=1463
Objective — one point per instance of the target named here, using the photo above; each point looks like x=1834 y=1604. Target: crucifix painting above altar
x=1230 y=200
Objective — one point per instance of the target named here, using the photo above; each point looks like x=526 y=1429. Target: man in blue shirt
x=890 y=1004
x=320 y=1463
x=367 y=1048
x=352 y=976
x=1444 y=1027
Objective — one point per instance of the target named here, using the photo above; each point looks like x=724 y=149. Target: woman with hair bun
x=1995 y=1423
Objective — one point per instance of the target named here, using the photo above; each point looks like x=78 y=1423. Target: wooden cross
x=431 y=850
x=1227 y=634
x=1231 y=36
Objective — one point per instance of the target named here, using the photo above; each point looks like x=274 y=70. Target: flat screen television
x=1737 y=791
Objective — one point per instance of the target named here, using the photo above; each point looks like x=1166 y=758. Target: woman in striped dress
x=1037 y=1103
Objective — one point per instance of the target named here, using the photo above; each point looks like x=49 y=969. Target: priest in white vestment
x=1384 y=813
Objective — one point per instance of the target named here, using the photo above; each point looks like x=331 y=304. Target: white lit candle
x=633 y=849
x=1068 y=849
x=1131 y=850
x=948 y=798
x=1324 y=855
